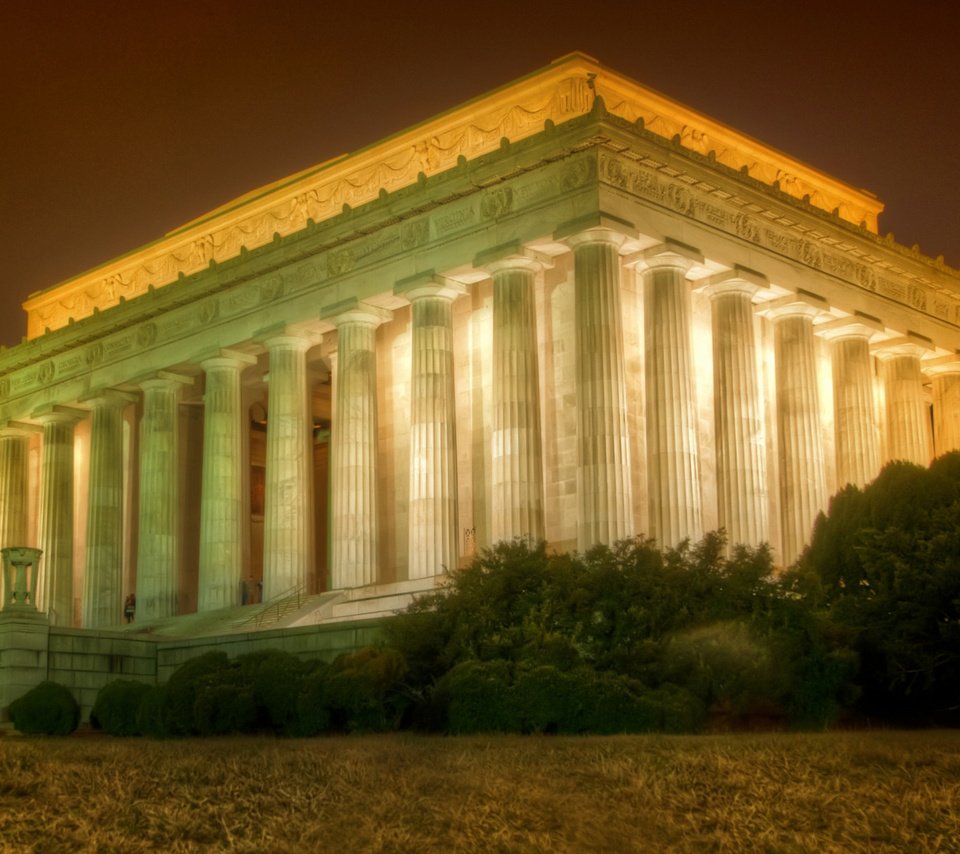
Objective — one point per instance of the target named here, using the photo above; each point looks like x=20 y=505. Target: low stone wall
x=84 y=661
x=325 y=642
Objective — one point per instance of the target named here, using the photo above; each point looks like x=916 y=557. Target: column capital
x=59 y=414
x=226 y=358
x=596 y=227
x=739 y=280
x=800 y=304
x=512 y=256
x=671 y=253
x=940 y=365
x=906 y=345
x=352 y=310
x=109 y=397
x=163 y=379
x=855 y=326
x=428 y=284
x=18 y=429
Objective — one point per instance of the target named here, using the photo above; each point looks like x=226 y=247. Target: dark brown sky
x=121 y=120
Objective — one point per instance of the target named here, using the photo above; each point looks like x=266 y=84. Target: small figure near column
x=130 y=608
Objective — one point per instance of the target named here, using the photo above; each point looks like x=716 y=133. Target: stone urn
x=21 y=566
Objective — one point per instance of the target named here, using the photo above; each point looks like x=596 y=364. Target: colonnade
x=515 y=491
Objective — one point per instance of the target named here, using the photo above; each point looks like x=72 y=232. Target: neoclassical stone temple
x=571 y=309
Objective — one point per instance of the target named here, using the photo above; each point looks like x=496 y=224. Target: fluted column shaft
x=158 y=551
x=946 y=403
x=517 y=477
x=673 y=466
x=354 y=514
x=14 y=445
x=103 y=573
x=908 y=429
x=221 y=500
x=433 y=543
x=55 y=536
x=741 y=458
x=802 y=484
x=856 y=430
x=605 y=497
x=287 y=535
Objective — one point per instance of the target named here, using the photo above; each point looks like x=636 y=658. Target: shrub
x=276 y=680
x=313 y=716
x=177 y=714
x=117 y=706
x=224 y=705
x=47 y=709
x=362 y=692
x=151 y=719
x=475 y=696
x=546 y=699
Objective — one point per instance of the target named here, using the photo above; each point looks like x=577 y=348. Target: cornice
x=565 y=90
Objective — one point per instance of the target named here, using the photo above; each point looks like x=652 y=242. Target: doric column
x=855 y=422
x=353 y=438
x=517 y=457
x=158 y=552
x=945 y=371
x=741 y=456
x=55 y=534
x=433 y=542
x=673 y=465
x=802 y=484
x=288 y=528
x=103 y=573
x=14 y=447
x=221 y=499
x=604 y=493
x=908 y=427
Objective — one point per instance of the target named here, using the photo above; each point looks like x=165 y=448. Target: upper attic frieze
x=558 y=93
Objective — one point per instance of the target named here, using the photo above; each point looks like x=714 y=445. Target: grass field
x=864 y=791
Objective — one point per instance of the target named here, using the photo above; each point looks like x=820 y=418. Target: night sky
x=122 y=120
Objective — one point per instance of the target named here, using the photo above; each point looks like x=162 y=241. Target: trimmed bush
x=47 y=709
x=313 y=716
x=223 y=705
x=177 y=714
x=150 y=714
x=276 y=680
x=117 y=706
x=475 y=696
x=362 y=692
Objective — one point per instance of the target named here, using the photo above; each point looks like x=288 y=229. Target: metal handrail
x=274 y=602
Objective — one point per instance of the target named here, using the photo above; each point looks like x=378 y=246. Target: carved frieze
x=700 y=204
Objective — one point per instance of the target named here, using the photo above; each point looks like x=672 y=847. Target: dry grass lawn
x=865 y=791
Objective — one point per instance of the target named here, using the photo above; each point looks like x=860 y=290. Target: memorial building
x=571 y=310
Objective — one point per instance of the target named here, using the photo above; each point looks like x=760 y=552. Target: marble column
x=354 y=511
x=433 y=541
x=907 y=423
x=802 y=484
x=605 y=497
x=673 y=465
x=55 y=527
x=14 y=449
x=222 y=523
x=158 y=551
x=945 y=371
x=103 y=572
x=517 y=457
x=740 y=447
x=288 y=507
x=855 y=423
